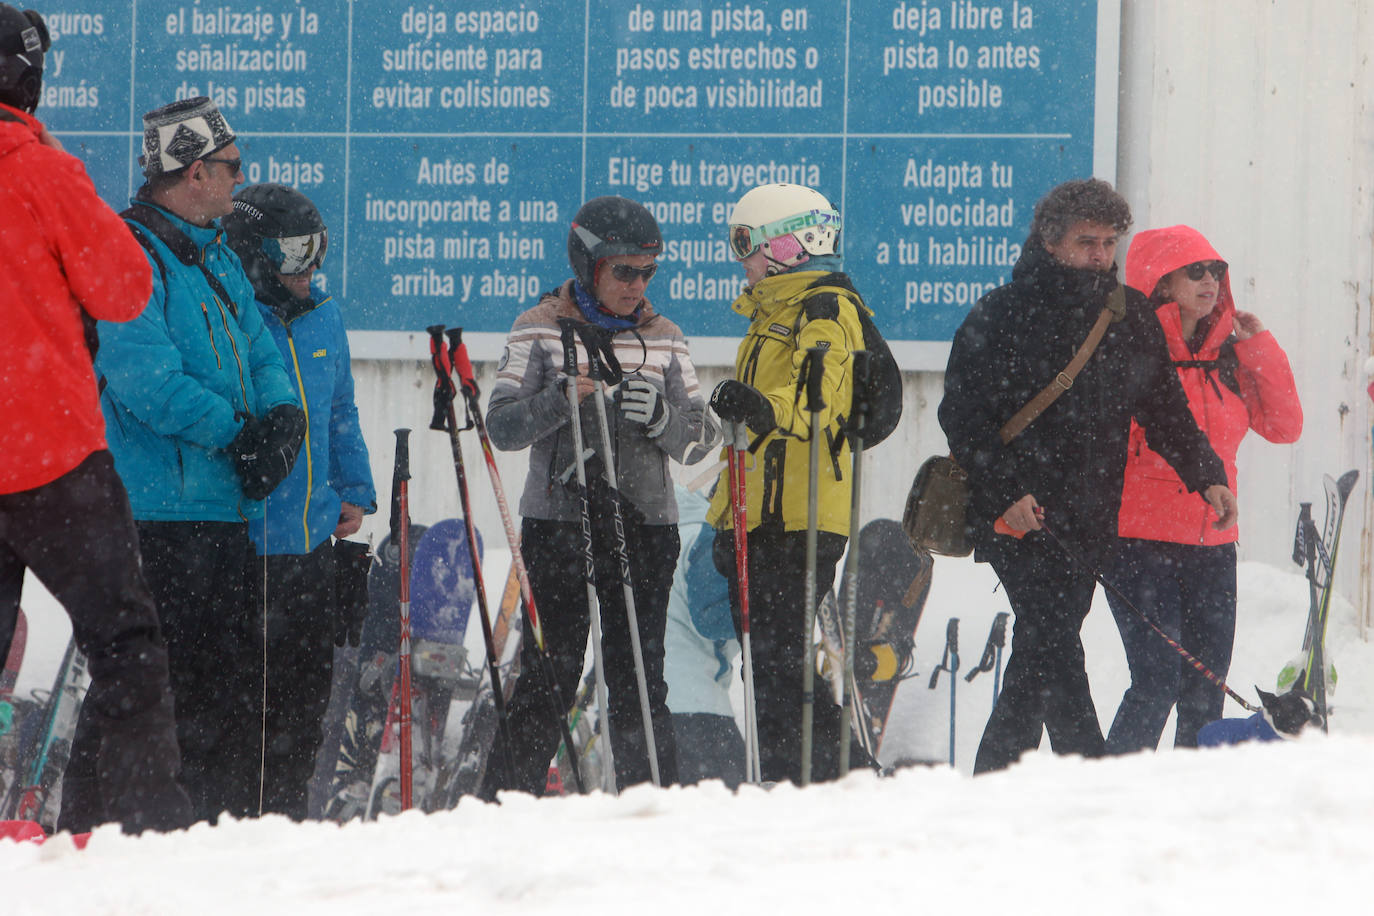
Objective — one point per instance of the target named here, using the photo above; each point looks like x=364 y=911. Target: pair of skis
x=1311 y=670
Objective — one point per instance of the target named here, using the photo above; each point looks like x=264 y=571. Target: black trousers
x=1045 y=687
x=554 y=557
x=777 y=592
x=77 y=536
x=294 y=595
x=196 y=571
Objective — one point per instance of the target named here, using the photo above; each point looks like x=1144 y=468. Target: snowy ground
x=1257 y=829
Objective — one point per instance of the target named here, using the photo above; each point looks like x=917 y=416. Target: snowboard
x=442 y=594
x=45 y=744
x=364 y=688
x=11 y=717
x=894 y=582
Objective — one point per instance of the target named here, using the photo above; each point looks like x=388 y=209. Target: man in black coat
x=1067 y=466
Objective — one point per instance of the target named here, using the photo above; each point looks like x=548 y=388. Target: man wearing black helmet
x=659 y=413
x=64 y=514
x=281 y=239
x=204 y=423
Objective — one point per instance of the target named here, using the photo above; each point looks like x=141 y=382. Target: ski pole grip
x=952 y=639
x=443 y=383
x=400 y=472
x=815 y=373
x=1300 y=535
x=999 y=629
x=567 y=329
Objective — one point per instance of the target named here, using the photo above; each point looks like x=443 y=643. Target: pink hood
x=1156 y=252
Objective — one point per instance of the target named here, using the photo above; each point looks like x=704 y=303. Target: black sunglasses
x=1198 y=270
x=627 y=273
x=234 y=164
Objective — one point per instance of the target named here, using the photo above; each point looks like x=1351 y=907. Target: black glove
x=352 y=562
x=641 y=402
x=265 y=450
x=736 y=402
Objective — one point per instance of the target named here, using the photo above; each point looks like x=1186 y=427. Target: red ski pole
x=737 y=446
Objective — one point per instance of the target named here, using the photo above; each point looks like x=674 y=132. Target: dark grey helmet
x=606 y=227
x=23 y=42
x=275 y=229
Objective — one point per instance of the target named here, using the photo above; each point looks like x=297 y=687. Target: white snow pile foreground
x=1274 y=828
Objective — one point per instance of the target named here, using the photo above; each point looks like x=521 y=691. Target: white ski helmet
x=790 y=222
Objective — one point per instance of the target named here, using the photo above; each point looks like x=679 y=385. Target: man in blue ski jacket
x=203 y=422
x=281 y=239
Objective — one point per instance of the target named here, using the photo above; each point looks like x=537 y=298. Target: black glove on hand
x=641 y=402
x=265 y=450
x=735 y=402
x=352 y=562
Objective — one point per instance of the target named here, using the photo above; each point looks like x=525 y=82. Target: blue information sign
x=448 y=144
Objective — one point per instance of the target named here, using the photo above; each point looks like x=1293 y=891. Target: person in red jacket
x=64 y=514
x=1171 y=562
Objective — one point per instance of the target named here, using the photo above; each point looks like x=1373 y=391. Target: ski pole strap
x=1187 y=656
x=858 y=404
x=810 y=379
x=567 y=330
x=458 y=358
x=997 y=638
x=602 y=363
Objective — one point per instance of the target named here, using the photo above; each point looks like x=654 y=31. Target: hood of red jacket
x=16 y=129
x=1156 y=252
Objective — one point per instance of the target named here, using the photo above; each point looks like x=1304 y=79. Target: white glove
x=641 y=402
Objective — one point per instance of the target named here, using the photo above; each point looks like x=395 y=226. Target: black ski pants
x=1189 y=591
x=554 y=557
x=1045 y=687
x=196 y=570
x=777 y=593
x=295 y=606
x=77 y=536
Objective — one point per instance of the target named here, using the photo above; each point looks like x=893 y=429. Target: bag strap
x=1062 y=382
x=182 y=247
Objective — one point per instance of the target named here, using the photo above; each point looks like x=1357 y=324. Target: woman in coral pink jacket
x=1173 y=564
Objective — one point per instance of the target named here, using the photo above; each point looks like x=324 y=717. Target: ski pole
x=446 y=420
x=568 y=329
x=467 y=381
x=400 y=534
x=736 y=447
x=858 y=416
x=992 y=655
x=1188 y=656
x=950 y=663
x=604 y=370
x=812 y=373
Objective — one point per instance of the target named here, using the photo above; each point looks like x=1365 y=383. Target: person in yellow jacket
x=786 y=238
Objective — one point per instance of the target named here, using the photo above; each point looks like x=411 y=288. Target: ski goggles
x=745 y=240
x=296 y=254
x=1200 y=269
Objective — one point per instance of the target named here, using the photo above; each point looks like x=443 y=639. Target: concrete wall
x=1249 y=119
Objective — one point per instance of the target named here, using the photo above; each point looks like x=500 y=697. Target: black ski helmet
x=23 y=41
x=606 y=227
x=275 y=229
